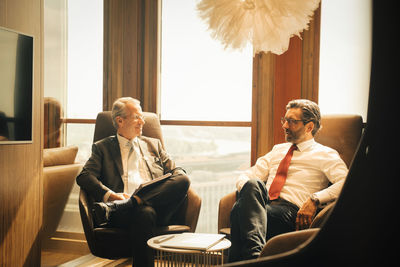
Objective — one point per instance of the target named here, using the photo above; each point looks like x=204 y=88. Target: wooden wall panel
x=131 y=51
x=151 y=55
x=310 y=59
x=263 y=104
x=20 y=165
x=291 y=75
x=131 y=47
x=287 y=83
x=113 y=52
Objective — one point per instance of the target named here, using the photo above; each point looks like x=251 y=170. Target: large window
x=199 y=79
x=85 y=71
x=205 y=106
x=85 y=58
x=205 y=101
x=345 y=56
x=85 y=87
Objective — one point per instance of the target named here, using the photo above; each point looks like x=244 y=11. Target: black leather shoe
x=101 y=213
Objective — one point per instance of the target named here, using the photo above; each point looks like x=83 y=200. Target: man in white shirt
x=117 y=167
x=315 y=176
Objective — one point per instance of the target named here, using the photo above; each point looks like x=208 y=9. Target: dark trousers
x=255 y=219
x=160 y=204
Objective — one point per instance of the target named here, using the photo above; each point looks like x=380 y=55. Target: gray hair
x=310 y=112
x=119 y=108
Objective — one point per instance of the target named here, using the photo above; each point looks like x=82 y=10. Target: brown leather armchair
x=113 y=243
x=59 y=173
x=52 y=123
x=340 y=132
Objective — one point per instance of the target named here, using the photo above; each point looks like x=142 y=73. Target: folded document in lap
x=197 y=241
x=147 y=185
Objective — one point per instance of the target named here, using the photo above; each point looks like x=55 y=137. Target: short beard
x=291 y=136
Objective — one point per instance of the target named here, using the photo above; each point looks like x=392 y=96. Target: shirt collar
x=305 y=145
x=123 y=141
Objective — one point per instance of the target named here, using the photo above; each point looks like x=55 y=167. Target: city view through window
x=212 y=157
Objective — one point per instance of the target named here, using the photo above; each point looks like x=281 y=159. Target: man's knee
x=181 y=182
x=254 y=190
x=253 y=185
x=184 y=181
x=146 y=215
x=247 y=193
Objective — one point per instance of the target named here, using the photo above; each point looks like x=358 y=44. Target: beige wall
x=20 y=165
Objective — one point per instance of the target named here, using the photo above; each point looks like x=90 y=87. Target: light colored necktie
x=281 y=174
x=132 y=169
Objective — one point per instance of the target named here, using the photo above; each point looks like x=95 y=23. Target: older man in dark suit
x=117 y=167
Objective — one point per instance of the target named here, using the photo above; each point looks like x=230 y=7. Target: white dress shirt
x=133 y=165
x=311 y=169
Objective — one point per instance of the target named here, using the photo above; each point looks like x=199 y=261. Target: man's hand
x=118 y=196
x=306 y=214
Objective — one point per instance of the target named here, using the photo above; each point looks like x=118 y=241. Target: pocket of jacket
x=154 y=162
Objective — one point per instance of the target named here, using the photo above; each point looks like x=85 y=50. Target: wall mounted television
x=16 y=87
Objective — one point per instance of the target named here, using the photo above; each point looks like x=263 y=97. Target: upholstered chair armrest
x=59 y=173
x=321 y=217
x=188 y=213
x=224 y=212
x=193 y=209
x=85 y=208
x=57 y=185
x=288 y=241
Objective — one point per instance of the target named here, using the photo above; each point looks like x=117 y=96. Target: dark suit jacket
x=103 y=171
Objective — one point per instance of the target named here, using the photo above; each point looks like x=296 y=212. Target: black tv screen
x=16 y=86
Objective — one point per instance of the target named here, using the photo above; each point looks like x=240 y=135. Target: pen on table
x=162 y=239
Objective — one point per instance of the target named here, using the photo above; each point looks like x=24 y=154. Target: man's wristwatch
x=315 y=199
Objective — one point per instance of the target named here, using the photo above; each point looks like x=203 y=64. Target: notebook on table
x=196 y=241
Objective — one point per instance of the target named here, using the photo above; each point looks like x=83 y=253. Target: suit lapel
x=116 y=155
x=145 y=153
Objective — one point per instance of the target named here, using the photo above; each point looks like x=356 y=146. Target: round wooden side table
x=188 y=257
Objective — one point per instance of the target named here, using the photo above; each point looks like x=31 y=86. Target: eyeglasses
x=290 y=121
x=137 y=117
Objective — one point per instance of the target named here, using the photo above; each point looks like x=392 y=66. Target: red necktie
x=281 y=174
